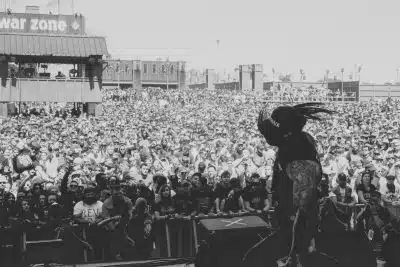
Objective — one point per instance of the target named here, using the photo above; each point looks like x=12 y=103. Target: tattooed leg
x=305 y=175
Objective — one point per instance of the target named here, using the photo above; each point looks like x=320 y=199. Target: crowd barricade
x=178 y=237
x=394 y=210
x=10 y=244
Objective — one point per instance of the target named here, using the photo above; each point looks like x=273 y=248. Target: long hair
x=308 y=110
x=301 y=113
x=285 y=119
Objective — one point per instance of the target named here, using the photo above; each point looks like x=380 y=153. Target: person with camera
x=118 y=208
x=140 y=229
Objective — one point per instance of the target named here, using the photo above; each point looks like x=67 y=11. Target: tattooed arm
x=306 y=175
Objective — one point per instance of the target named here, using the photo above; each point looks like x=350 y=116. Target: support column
x=258 y=77
x=3 y=110
x=94 y=109
x=137 y=79
x=81 y=70
x=3 y=67
x=211 y=78
x=244 y=77
x=182 y=75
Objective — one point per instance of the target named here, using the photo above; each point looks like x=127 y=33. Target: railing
x=179 y=236
x=327 y=99
x=43 y=79
x=50 y=90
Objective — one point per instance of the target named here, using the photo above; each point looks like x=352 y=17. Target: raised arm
x=64 y=181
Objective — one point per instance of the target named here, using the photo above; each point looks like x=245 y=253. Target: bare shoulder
x=299 y=170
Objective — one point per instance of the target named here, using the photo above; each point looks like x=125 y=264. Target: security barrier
x=176 y=238
x=181 y=235
x=394 y=210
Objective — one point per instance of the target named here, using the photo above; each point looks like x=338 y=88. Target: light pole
x=133 y=74
x=218 y=61
x=273 y=76
x=302 y=75
x=118 y=72
x=359 y=69
x=398 y=71
x=342 y=71
x=167 y=67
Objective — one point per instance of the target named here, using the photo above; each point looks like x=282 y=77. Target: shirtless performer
x=296 y=174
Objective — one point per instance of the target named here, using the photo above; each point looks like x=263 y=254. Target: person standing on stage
x=297 y=173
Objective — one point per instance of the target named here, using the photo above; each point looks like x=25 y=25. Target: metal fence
x=174 y=238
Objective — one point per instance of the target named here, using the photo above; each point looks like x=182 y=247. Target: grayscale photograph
x=199 y=133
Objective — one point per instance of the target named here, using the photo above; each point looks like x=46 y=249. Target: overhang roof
x=52 y=45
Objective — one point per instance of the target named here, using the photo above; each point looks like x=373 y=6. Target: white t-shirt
x=88 y=212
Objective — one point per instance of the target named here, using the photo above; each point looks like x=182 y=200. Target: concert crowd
x=155 y=155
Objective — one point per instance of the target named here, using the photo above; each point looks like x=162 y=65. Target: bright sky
x=284 y=34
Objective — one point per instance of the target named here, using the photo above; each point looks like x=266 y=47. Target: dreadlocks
x=297 y=172
x=287 y=120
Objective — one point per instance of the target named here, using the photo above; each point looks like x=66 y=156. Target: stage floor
x=147 y=263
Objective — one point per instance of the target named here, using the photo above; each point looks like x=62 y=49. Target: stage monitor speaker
x=224 y=242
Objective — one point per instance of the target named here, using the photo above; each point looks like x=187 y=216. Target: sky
x=286 y=35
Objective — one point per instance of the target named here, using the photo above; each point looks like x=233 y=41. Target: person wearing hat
x=343 y=199
x=255 y=195
x=390 y=189
x=88 y=212
x=297 y=172
x=370 y=168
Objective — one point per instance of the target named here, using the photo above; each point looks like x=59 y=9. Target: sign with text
x=42 y=23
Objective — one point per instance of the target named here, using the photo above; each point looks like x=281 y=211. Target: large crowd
x=155 y=154
x=294 y=92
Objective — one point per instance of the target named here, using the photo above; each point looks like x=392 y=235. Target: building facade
x=137 y=73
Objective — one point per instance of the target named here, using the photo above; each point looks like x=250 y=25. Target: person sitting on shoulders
x=390 y=190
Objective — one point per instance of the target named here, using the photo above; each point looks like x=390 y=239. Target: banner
x=42 y=23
